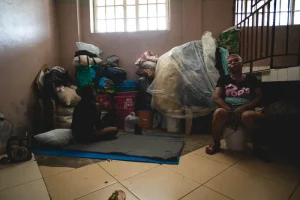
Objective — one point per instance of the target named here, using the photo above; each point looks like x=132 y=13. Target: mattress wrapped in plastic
x=185 y=79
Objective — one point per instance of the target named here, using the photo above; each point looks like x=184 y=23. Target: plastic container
x=131 y=93
x=146 y=118
x=103 y=113
x=130 y=122
x=122 y=114
x=234 y=140
x=173 y=123
x=125 y=102
x=127 y=86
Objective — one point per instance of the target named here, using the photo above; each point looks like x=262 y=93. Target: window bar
x=136 y=15
x=156 y=16
x=298 y=62
x=237 y=11
x=268 y=27
x=115 y=16
x=242 y=8
x=292 y=12
x=234 y=11
x=273 y=37
x=248 y=42
x=147 y=16
x=287 y=29
x=244 y=40
x=125 y=15
x=252 y=35
x=105 y=17
x=93 y=12
x=168 y=15
x=256 y=34
x=262 y=31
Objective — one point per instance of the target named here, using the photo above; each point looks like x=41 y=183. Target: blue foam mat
x=81 y=154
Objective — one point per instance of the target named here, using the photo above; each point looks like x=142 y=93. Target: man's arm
x=219 y=100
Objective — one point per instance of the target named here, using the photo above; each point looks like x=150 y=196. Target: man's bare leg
x=220 y=119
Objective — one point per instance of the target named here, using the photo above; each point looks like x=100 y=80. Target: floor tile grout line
x=125 y=179
x=21 y=184
x=129 y=190
x=218 y=192
x=47 y=189
x=182 y=175
x=96 y=190
x=217 y=175
x=191 y=191
x=132 y=175
x=261 y=176
x=59 y=173
x=298 y=185
x=218 y=160
x=232 y=165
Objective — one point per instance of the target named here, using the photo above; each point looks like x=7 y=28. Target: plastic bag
x=186 y=78
x=130 y=122
x=89 y=47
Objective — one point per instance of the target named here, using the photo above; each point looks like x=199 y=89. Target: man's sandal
x=213 y=148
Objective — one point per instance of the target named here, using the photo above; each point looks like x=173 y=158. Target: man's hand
x=239 y=111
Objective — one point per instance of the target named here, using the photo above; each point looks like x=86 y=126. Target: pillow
x=68 y=96
x=88 y=47
x=64 y=111
x=57 y=137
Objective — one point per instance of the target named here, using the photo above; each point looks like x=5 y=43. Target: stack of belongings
x=86 y=61
x=146 y=66
x=228 y=42
x=57 y=98
x=185 y=79
x=125 y=100
x=103 y=75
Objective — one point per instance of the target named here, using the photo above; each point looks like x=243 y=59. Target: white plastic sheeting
x=186 y=78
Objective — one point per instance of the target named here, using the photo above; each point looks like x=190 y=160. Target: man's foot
x=213 y=148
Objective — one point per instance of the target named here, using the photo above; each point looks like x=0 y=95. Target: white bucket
x=173 y=123
x=234 y=140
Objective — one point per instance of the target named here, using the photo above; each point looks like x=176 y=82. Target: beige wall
x=28 y=39
x=189 y=19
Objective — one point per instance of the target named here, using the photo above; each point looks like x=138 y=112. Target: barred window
x=129 y=15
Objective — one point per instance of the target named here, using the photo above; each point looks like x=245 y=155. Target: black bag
x=85 y=53
x=112 y=61
x=117 y=75
x=17 y=150
x=56 y=77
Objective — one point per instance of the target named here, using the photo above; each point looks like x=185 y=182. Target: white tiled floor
x=223 y=176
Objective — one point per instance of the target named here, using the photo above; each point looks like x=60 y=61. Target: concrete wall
x=28 y=39
x=189 y=19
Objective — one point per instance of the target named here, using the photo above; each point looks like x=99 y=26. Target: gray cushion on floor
x=153 y=147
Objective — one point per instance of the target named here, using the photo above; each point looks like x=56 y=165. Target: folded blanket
x=86 y=60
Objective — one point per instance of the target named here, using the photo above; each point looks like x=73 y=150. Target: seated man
x=86 y=124
x=236 y=94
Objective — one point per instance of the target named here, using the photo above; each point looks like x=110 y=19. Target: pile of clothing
x=92 y=70
x=146 y=66
x=57 y=98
